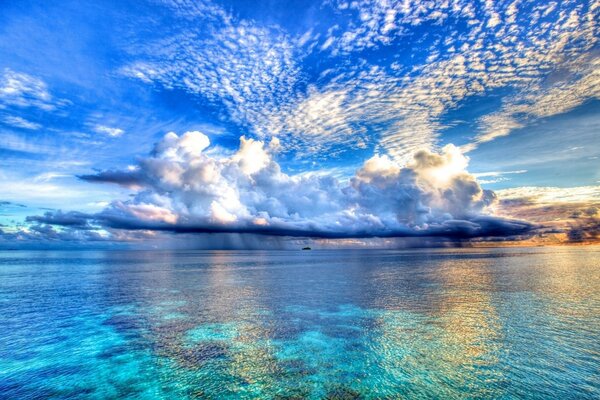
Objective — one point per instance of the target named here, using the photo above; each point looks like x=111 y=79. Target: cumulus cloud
x=184 y=189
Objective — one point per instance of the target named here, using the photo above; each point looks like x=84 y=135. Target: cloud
x=40 y=235
x=548 y=61
x=4 y=203
x=572 y=212
x=53 y=188
x=19 y=122
x=48 y=176
x=244 y=68
x=375 y=23
x=496 y=176
x=107 y=130
x=72 y=219
x=265 y=80
x=583 y=231
x=383 y=78
x=545 y=195
x=128 y=179
x=186 y=190
x=22 y=90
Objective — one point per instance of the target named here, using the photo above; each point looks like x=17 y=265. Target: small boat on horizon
x=306 y=248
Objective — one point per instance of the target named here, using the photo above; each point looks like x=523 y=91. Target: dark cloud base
x=480 y=227
x=75 y=230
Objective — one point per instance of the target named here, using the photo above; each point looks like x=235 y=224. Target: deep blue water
x=500 y=323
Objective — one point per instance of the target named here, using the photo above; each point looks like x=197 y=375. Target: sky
x=272 y=124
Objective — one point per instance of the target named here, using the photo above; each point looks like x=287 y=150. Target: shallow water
x=500 y=323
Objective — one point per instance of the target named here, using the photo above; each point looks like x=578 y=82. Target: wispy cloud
x=23 y=90
x=19 y=122
x=496 y=176
x=544 y=195
x=48 y=176
x=110 y=131
x=13 y=142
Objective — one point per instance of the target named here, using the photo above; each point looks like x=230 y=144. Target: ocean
x=322 y=324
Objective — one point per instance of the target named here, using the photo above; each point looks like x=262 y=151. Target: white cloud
x=400 y=112
x=110 y=131
x=496 y=176
x=245 y=68
x=545 y=195
x=48 y=176
x=543 y=53
x=186 y=189
x=22 y=90
x=519 y=52
x=19 y=122
x=22 y=143
x=374 y=23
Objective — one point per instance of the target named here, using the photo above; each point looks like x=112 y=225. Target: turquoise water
x=501 y=323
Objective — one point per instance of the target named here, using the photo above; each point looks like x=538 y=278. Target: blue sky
x=87 y=87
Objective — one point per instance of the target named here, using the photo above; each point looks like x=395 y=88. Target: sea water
x=440 y=324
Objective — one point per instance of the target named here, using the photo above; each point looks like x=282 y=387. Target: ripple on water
x=389 y=325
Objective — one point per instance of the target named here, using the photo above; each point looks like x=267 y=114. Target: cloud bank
x=184 y=189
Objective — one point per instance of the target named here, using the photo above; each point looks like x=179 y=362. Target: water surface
x=499 y=323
